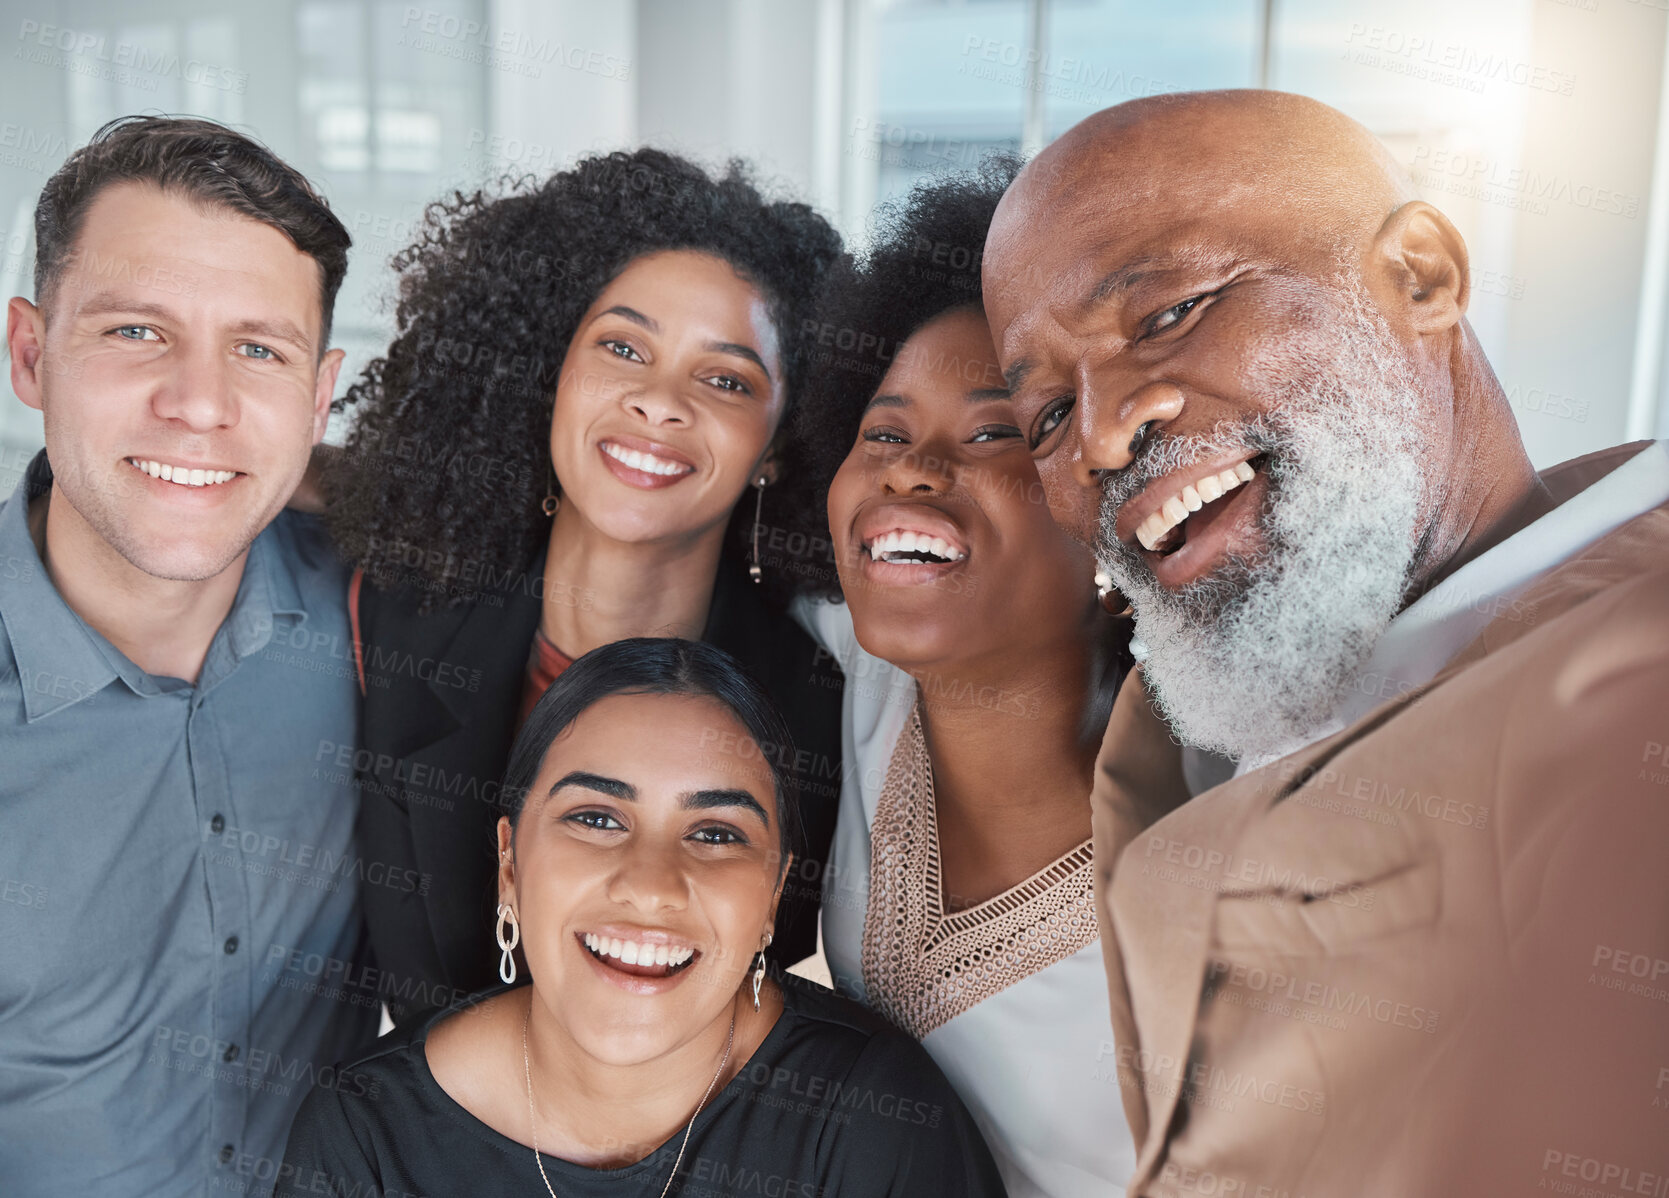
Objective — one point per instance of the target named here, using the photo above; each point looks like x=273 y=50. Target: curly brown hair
x=440 y=484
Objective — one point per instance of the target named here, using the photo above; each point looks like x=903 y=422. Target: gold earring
x=552 y=500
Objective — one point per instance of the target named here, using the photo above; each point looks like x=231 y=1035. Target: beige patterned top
x=923 y=967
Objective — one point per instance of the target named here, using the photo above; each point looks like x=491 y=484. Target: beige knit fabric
x=922 y=967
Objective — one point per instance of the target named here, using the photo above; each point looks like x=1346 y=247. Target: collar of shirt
x=1419 y=642
x=49 y=641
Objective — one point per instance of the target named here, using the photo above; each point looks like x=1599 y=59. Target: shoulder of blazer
x=427 y=672
x=802 y=678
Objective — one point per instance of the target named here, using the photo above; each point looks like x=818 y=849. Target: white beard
x=1254 y=659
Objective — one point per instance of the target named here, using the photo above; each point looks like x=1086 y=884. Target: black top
x=442 y=703
x=835 y=1102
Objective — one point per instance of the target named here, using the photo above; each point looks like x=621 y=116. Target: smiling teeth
x=632 y=953
x=888 y=544
x=180 y=475
x=646 y=462
x=1189 y=500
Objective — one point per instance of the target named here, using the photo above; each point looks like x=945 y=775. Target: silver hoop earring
x=754 y=572
x=507 y=963
x=759 y=972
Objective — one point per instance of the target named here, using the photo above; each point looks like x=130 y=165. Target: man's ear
x=1419 y=267
x=324 y=390
x=26 y=342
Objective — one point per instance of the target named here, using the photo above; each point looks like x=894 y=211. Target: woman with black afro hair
x=980 y=670
x=589 y=399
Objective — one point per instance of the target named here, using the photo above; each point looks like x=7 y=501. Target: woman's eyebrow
x=701 y=800
x=741 y=351
x=633 y=315
x=613 y=787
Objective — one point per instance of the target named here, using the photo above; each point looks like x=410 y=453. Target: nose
x=925 y=468
x=648 y=878
x=659 y=406
x=1112 y=423
x=197 y=391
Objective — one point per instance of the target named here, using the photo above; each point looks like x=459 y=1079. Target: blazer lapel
x=1164 y=892
x=1138 y=780
x=1165 y=854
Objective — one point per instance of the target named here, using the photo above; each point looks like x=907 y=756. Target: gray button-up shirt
x=178 y=881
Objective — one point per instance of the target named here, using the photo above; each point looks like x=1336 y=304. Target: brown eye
x=1173 y=316
x=1050 y=418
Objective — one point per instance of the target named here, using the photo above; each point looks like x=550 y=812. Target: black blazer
x=443 y=693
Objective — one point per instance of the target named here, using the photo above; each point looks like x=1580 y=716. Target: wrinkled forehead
x=1109 y=223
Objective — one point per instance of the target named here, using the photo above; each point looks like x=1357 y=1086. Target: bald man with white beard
x=1419 y=942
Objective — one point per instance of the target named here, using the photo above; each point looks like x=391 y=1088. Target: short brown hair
x=206 y=161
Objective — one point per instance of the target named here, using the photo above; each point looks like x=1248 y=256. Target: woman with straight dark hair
x=640 y=866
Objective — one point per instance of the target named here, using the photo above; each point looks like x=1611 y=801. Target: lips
x=908 y=543
x=645 y=956
x=1190 y=520
x=647 y=465
x=1165 y=526
x=182 y=474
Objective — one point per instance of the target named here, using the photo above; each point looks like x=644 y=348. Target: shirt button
x=231 y=945
x=231 y=1053
x=226 y=1151
x=217 y=825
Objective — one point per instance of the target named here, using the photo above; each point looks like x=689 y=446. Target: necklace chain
x=533 y=1122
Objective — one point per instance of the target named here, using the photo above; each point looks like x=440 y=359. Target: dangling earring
x=759 y=973
x=507 y=963
x=1112 y=601
x=754 y=572
x=552 y=500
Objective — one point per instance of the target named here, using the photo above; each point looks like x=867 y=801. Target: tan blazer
x=1428 y=955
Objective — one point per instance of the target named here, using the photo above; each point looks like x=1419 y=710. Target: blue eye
x=259 y=352
x=125 y=332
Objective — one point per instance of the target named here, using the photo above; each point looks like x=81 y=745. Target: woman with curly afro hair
x=981 y=669
x=590 y=394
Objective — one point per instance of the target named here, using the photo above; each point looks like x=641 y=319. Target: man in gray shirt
x=179 y=916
